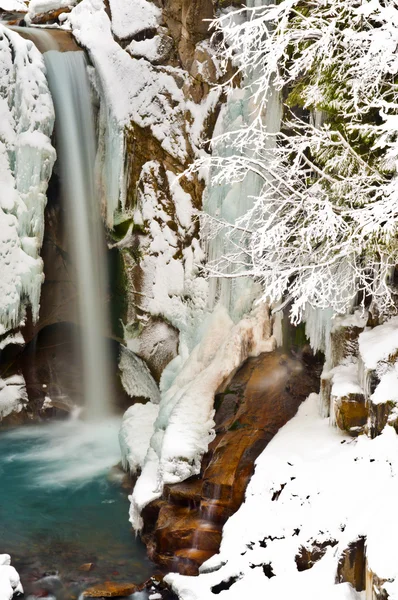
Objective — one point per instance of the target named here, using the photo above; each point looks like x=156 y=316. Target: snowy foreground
x=328 y=492
x=9 y=579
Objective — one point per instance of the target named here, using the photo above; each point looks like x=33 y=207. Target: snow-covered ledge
x=10 y=583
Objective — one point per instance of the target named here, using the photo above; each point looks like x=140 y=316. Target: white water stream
x=76 y=147
x=76 y=154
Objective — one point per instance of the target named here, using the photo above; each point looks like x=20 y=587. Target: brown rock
x=352 y=565
x=184 y=528
x=307 y=557
x=50 y=17
x=110 y=589
x=86 y=567
x=351 y=413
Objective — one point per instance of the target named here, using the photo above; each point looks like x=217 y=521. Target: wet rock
x=51 y=17
x=110 y=589
x=379 y=416
x=351 y=413
x=183 y=528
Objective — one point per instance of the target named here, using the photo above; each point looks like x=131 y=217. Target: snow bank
x=135 y=434
x=184 y=426
x=129 y=18
x=26 y=160
x=328 y=491
x=9 y=579
x=387 y=389
x=377 y=344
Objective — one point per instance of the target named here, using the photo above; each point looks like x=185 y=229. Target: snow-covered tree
x=323 y=230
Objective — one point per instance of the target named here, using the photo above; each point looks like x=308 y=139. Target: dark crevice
x=224 y=585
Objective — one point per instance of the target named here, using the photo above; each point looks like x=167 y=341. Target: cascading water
x=62 y=506
x=230 y=201
x=75 y=134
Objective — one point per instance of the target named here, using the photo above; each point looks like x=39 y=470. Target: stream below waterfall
x=62 y=506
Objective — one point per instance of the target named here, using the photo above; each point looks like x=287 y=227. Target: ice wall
x=229 y=201
x=26 y=160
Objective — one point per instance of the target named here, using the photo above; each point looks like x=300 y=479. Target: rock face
x=183 y=528
x=157 y=234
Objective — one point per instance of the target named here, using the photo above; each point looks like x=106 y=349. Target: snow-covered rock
x=9 y=579
x=329 y=493
x=26 y=160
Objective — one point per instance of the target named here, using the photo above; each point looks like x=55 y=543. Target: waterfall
x=76 y=148
x=228 y=202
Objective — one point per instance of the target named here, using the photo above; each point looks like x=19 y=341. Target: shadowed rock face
x=51 y=365
x=183 y=528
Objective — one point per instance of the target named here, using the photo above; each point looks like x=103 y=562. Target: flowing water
x=76 y=147
x=62 y=506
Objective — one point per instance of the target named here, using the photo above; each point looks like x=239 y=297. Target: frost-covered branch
x=324 y=226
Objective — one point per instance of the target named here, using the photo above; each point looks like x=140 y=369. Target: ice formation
x=136 y=377
x=13 y=395
x=26 y=160
x=135 y=434
x=325 y=496
x=10 y=583
x=227 y=202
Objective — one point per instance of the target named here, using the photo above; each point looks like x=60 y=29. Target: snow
x=185 y=426
x=153 y=49
x=329 y=493
x=181 y=200
x=10 y=583
x=13 y=395
x=377 y=344
x=13 y=338
x=133 y=16
x=38 y=7
x=357 y=319
x=26 y=160
x=387 y=389
x=135 y=434
x=345 y=379
x=13 y=6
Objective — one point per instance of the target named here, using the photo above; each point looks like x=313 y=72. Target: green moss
x=118 y=291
